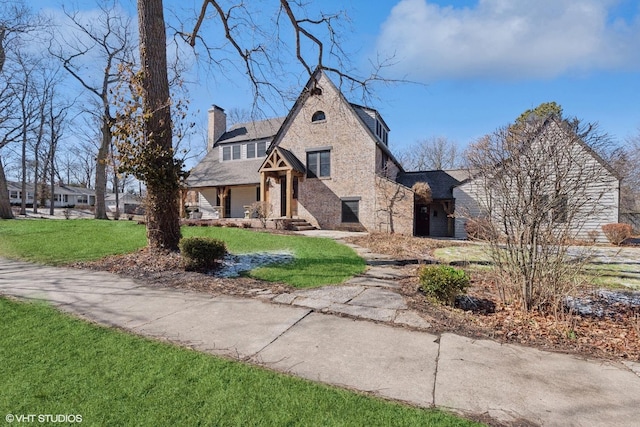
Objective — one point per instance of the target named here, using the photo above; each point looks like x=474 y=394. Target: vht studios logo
x=43 y=418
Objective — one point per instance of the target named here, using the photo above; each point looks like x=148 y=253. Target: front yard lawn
x=317 y=262
x=55 y=364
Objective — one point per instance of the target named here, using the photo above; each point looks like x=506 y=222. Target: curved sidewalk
x=508 y=382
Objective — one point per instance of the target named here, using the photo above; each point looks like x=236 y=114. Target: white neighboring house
x=128 y=203
x=599 y=189
x=63 y=196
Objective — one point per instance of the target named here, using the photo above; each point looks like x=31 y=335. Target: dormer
x=374 y=122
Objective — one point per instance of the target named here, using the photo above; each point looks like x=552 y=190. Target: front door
x=422 y=220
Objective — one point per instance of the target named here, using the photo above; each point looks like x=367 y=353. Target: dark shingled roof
x=441 y=182
x=291 y=158
x=263 y=129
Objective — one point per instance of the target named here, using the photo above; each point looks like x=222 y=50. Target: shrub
x=478 y=229
x=261 y=210
x=422 y=192
x=617 y=233
x=443 y=283
x=593 y=236
x=201 y=253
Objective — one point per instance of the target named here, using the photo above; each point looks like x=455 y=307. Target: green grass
x=606 y=274
x=469 y=253
x=55 y=364
x=317 y=261
x=58 y=242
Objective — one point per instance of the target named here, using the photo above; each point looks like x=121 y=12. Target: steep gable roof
x=307 y=91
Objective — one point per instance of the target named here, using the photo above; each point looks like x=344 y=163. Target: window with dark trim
x=319 y=164
x=559 y=211
x=350 y=211
x=318 y=116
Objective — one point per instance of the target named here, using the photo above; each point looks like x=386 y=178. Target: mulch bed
x=484 y=315
x=165 y=269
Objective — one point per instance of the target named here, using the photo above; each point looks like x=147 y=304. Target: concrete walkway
x=514 y=384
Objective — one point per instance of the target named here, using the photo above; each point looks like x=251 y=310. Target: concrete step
x=299 y=225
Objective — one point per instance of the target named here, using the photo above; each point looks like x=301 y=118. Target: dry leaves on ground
x=399 y=246
x=158 y=268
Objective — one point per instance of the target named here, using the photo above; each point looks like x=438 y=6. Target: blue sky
x=479 y=63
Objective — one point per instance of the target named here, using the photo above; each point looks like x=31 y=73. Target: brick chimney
x=217 y=125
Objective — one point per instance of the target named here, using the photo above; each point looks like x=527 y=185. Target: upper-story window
x=226 y=153
x=248 y=150
x=318 y=116
x=382 y=132
x=319 y=164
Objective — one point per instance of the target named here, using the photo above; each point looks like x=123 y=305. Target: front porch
x=225 y=201
x=280 y=176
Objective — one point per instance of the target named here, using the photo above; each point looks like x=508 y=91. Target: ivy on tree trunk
x=157 y=162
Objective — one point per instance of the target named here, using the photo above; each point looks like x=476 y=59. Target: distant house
x=127 y=203
x=328 y=163
x=63 y=196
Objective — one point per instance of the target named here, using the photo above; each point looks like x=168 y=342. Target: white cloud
x=509 y=39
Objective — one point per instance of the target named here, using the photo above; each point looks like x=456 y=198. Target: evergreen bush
x=201 y=253
x=443 y=283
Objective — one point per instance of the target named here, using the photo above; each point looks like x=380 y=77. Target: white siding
x=241 y=197
x=207 y=199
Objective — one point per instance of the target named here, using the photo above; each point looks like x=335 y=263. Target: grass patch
x=318 y=261
x=58 y=242
x=55 y=364
x=469 y=253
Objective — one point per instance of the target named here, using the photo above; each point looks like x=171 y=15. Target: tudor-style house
x=326 y=162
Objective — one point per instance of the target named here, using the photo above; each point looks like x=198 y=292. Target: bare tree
x=105 y=42
x=16 y=20
x=25 y=89
x=538 y=186
x=158 y=169
x=626 y=160
x=433 y=153
x=395 y=202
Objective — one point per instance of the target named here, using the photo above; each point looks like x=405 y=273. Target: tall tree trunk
x=163 y=219
x=23 y=188
x=5 y=202
x=101 y=170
